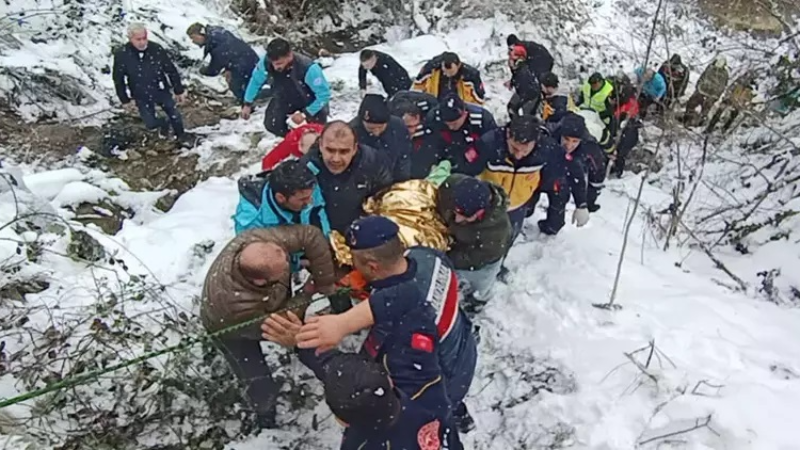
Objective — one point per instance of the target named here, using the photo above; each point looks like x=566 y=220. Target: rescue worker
x=527 y=89
x=427 y=149
x=228 y=53
x=555 y=104
x=301 y=91
x=459 y=126
x=287 y=195
x=446 y=74
x=296 y=144
x=709 y=89
x=347 y=172
x=737 y=99
x=595 y=95
x=251 y=277
x=480 y=230
x=377 y=128
x=676 y=75
x=536 y=55
x=626 y=125
x=378 y=415
x=654 y=88
x=583 y=148
x=144 y=75
x=419 y=282
x=424 y=101
x=392 y=76
x=527 y=164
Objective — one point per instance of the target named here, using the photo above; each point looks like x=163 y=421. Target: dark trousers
x=247 y=362
x=518 y=107
x=696 y=100
x=556 y=209
x=517 y=218
x=645 y=101
x=627 y=141
x=147 y=111
x=277 y=113
x=592 y=193
x=238 y=85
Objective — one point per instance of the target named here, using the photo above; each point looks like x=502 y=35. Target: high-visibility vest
x=596 y=101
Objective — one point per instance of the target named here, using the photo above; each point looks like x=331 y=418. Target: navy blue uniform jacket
x=389 y=72
x=368 y=173
x=571 y=172
x=394 y=143
x=144 y=75
x=423 y=100
x=539 y=58
x=460 y=147
x=228 y=52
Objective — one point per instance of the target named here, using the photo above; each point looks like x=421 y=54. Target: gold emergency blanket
x=412 y=206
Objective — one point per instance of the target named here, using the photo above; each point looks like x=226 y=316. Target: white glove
x=580 y=217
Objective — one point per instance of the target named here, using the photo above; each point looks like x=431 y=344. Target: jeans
x=517 y=218
x=247 y=362
x=147 y=111
x=516 y=106
x=479 y=283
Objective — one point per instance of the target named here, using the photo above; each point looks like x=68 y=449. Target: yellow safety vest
x=597 y=102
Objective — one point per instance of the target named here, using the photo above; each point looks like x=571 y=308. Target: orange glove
x=356 y=283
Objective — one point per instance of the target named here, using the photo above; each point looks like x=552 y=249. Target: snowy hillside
x=687 y=362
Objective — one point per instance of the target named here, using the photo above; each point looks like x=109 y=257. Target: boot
x=464 y=422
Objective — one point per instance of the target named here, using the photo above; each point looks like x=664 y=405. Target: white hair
x=136 y=28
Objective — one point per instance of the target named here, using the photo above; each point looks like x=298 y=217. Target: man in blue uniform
x=376 y=127
x=228 y=53
x=459 y=126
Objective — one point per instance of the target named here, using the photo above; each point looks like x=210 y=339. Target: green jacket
x=477 y=244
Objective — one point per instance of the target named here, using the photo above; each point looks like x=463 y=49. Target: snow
x=553 y=369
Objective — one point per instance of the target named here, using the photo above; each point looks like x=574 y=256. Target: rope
x=94 y=374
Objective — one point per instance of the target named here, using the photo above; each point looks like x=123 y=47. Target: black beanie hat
x=374 y=109
x=358 y=391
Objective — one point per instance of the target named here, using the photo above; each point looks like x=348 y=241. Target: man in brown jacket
x=250 y=278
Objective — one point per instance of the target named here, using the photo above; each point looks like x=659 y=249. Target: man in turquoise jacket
x=654 y=87
x=289 y=195
x=301 y=92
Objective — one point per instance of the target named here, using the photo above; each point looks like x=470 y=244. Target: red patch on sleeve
x=428 y=436
x=422 y=342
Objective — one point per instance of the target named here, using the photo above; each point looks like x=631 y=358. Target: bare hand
x=507 y=84
x=321 y=332
x=130 y=107
x=298 y=117
x=363 y=93
x=181 y=98
x=282 y=330
x=246 y=110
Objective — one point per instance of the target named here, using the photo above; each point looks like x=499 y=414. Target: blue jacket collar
x=394 y=280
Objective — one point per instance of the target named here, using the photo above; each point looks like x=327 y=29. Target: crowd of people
x=407 y=387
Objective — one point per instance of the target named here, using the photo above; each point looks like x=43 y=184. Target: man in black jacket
x=427 y=149
x=527 y=90
x=459 y=126
x=536 y=55
x=301 y=91
x=228 y=53
x=347 y=173
x=386 y=69
x=377 y=128
x=143 y=72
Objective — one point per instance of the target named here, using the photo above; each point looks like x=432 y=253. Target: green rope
x=94 y=374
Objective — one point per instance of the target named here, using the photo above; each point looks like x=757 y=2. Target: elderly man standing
x=251 y=277
x=144 y=75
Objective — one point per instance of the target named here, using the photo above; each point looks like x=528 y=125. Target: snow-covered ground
x=684 y=352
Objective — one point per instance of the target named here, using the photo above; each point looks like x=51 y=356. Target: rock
x=203 y=249
x=106 y=215
x=83 y=246
x=17 y=290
